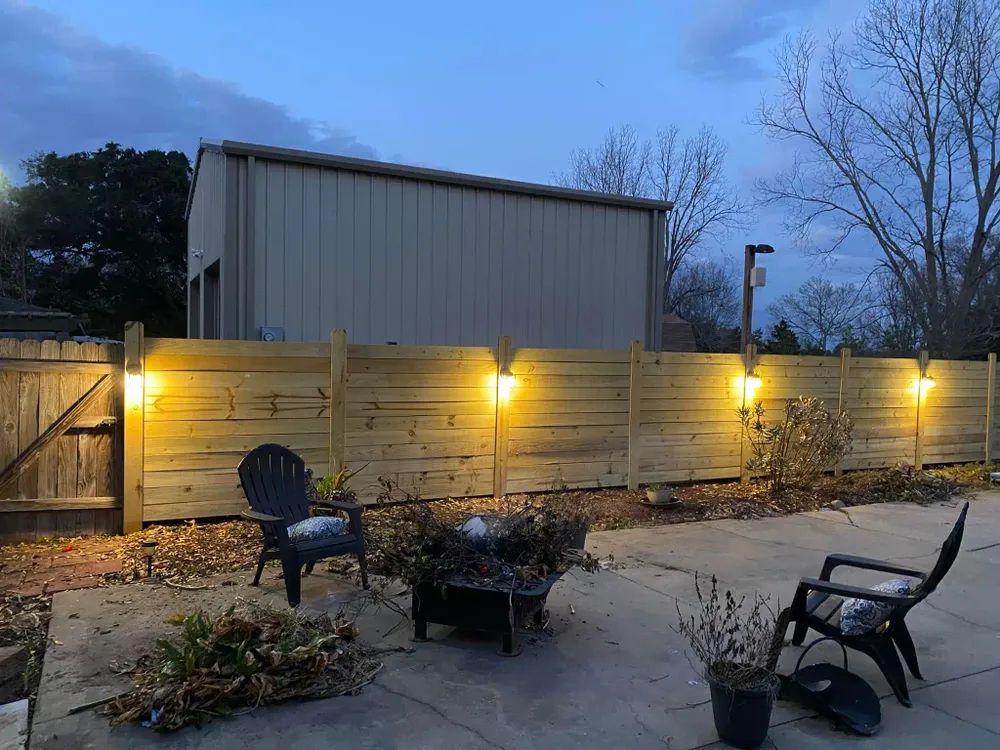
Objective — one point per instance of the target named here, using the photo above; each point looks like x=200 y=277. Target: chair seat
x=312 y=545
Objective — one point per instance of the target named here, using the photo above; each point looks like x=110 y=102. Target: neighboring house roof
x=678 y=334
x=22 y=316
x=333 y=161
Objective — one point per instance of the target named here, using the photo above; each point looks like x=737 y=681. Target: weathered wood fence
x=60 y=439
x=434 y=420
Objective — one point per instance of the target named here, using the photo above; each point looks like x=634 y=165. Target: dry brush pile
x=249 y=656
x=520 y=544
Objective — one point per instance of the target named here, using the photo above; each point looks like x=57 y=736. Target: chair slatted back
x=949 y=552
x=274 y=481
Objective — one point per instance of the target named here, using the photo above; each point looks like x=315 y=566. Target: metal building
x=290 y=244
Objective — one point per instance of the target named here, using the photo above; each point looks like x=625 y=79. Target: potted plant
x=737 y=642
x=660 y=494
x=333 y=486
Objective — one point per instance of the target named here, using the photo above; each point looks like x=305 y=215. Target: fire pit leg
x=511 y=644
x=420 y=630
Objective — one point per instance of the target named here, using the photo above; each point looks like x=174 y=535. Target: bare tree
x=896 y=320
x=690 y=172
x=706 y=294
x=901 y=140
x=821 y=312
x=618 y=166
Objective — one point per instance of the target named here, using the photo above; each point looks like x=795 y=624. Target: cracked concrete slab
x=614 y=673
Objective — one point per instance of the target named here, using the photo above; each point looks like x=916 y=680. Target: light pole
x=750 y=280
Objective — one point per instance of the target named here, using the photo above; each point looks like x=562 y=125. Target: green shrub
x=797 y=449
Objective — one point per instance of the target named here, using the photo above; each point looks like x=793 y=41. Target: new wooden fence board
x=223 y=363
x=253 y=429
x=418 y=366
x=158 y=347
x=380 y=351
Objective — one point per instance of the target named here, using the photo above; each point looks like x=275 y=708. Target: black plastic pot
x=742 y=717
x=580 y=538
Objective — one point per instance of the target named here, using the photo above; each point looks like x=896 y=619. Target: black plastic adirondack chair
x=274 y=481
x=882 y=642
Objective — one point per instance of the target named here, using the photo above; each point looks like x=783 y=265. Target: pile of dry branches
x=524 y=543
x=901 y=484
x=248 y=656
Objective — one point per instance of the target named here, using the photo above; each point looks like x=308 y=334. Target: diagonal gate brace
x=56 y=430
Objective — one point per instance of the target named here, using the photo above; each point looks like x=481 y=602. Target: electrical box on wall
x=272 y=333
x=758 y=276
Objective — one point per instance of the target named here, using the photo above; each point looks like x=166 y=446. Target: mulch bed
x=192 y=549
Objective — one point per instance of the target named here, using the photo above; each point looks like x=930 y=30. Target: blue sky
x=500 y=89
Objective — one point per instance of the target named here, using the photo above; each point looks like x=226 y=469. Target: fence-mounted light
x=926 y=383
x=133 y=385
x=505 y=382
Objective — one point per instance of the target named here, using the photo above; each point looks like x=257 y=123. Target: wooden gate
x=60 y=439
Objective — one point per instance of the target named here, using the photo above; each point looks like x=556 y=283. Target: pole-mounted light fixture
x=752 y=277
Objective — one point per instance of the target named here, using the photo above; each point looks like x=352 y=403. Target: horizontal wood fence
x=61 y=466
x=433 y=419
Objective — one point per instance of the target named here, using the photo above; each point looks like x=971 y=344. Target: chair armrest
x=339 y=505
x=253 y=515
x=866 y=563
x=353 y=511
x=853 y=592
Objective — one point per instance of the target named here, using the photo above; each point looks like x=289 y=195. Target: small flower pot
x=663 y=498
x=742 y=717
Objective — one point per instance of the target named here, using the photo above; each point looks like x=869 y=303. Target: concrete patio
x=615 y=674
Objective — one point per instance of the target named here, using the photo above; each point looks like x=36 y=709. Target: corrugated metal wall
x=417 y=262
x=206 y=221
x=208 y=209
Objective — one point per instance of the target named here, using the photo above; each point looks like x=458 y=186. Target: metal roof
x=333 y=161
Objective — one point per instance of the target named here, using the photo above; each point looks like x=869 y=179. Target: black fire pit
x=480 y=606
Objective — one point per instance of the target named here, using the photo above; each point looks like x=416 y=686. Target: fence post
x=634 y=413
x=918 y=448
x=132 y=459
x=845 y=374
x=502 y=433
x=338 y=399
x=749 y=360
x=991 y=390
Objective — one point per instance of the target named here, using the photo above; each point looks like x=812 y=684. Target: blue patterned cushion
x=317 y=527
x=859 y=616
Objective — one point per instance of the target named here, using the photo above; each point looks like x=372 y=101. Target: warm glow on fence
x=505 y=382
x=747 y=386
x=921 y=385
x=133 y=390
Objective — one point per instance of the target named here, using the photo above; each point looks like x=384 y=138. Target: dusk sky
x=504 y=90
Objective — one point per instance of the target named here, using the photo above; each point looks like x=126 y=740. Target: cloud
x=64 y=90
x=718 y=42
